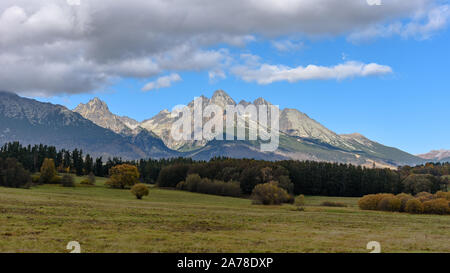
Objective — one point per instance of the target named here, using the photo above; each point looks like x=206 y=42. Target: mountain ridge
x=441 y=155
x=32 y=122
x=301 y=137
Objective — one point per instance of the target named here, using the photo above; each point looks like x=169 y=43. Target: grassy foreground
x=46 y=218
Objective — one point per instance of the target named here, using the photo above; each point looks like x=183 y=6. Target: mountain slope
x=298 y=124
x=437 y=156
x=375 y=150
x=33 y=122
x=233 y=149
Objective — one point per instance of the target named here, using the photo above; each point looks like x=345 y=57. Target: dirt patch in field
x=22 y=211
x=203 y=226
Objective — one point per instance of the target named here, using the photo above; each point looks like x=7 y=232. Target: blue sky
x=403 y=102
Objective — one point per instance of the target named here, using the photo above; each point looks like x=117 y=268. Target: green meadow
x=46 y=218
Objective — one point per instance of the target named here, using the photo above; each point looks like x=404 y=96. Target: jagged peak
x=220 y=93
x=244 y=103
x=261 y=101
x=161 y=113
x=221 y=97
x=205 y=101
x=95 y=103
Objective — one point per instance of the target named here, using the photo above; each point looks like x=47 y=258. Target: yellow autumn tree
x=123 y=176
x=48 y=171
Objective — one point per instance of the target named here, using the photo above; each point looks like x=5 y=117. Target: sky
x=379 y=68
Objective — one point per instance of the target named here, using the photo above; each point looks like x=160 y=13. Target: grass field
x=46 y=218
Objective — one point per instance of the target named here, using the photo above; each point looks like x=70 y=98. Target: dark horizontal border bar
x=218 y=262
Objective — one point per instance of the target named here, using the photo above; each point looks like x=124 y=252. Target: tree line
x=296 y=177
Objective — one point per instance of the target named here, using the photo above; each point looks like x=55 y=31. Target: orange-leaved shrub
x=370 y=201
x=299 y=200
x=139 y=190
x=424 y=196
x=436 y=206
x=270 y=194
x=423 y=202
x=389 y=203
x=404 y=198
x=122 y=176
x=444 y=195
x=414 y=206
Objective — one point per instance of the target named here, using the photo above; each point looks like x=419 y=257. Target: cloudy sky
x=375 y=67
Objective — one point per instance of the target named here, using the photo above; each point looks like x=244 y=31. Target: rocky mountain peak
x=222 y=99
x=98 y=112
x=98 y=104
x=261 y=101
x=244 y=103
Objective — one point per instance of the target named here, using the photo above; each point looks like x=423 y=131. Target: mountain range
x=437 y=156
x=95 y=129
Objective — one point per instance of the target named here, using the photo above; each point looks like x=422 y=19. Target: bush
x=89 y=181
x=140 y=190
x=424 y=196
x=56 y=180
x=67 y=181
x=414 y=206
x=35 y=178
x=91 y=178
x=404 y=198
x=389 y=203
x=269 y=194
x=290 y=199
x=233 y=188
x=13 y=174
x=424 y=202
x=300 y=200
x=86 y=182
x=332 y=204
x=194 y=183
x=370 y=201
x=122 y=176
x=436 y=206
x=444 y=195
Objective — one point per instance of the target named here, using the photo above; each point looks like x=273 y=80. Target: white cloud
x=162 y=82
x=266 y=73
x=287 y=45
x=49 y=47
x=215 y=75
x=374 y=2
x=423 y=25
